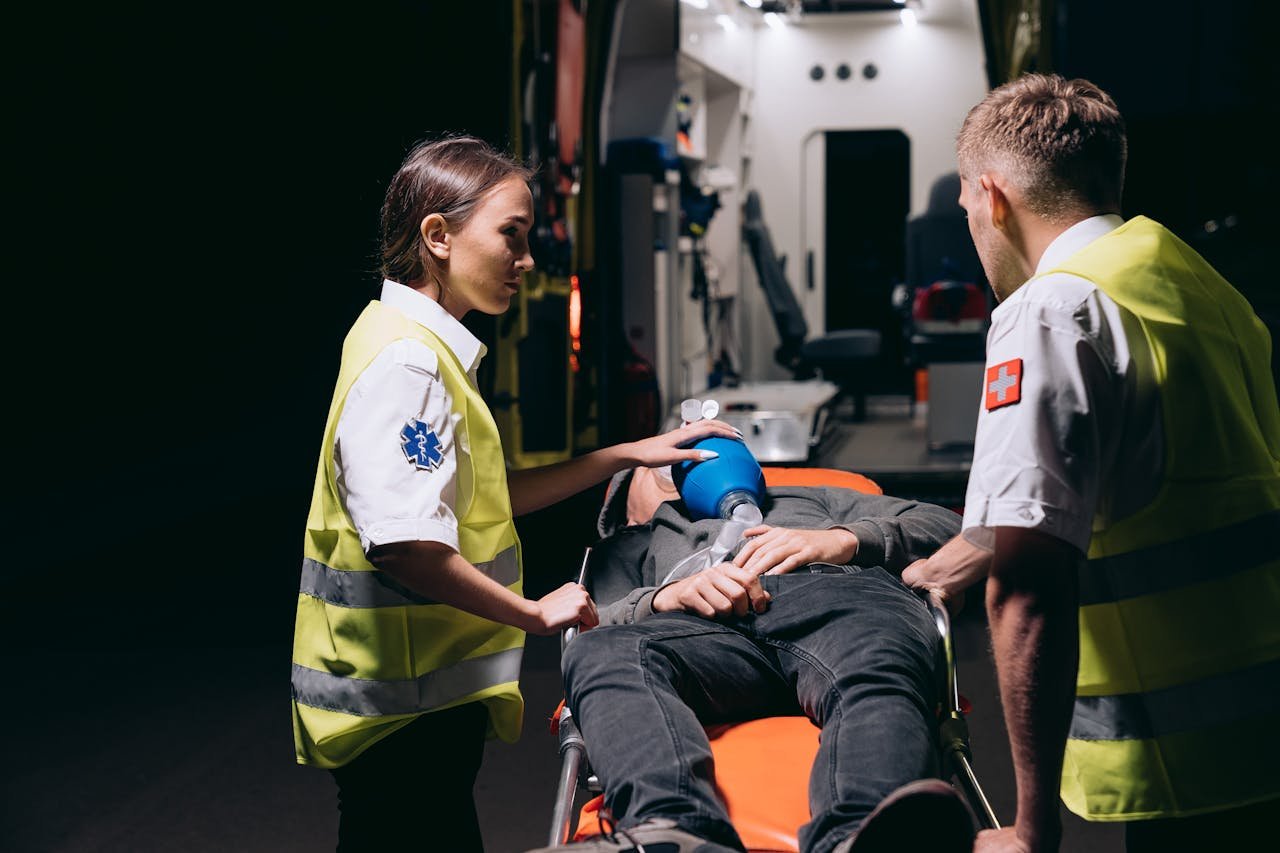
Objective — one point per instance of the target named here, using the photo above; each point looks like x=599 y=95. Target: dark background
x=199 y=229
x=193 y=196
x=196 y=221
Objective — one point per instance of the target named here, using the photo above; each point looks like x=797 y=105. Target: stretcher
x=762 y=766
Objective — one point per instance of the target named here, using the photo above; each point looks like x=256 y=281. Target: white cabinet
x=713 y=115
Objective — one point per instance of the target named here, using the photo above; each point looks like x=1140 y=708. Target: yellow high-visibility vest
x=370 y=655
x=1178 y=690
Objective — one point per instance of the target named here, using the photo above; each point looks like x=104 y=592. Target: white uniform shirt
x=1065 y=429
x=389 y=497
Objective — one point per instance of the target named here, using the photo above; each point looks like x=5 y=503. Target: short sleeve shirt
x=1066 y=431
x=390 y=496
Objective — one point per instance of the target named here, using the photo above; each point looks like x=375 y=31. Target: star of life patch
x=1004 y=384
x=421 y=445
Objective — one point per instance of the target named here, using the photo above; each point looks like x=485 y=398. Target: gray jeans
x=856 y=653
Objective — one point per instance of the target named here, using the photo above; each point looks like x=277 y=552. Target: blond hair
x=1060 y=142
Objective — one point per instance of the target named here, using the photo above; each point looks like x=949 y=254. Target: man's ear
x=998 y=208
x=435 y=236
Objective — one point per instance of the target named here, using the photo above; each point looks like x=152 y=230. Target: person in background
x=411 y=619
x=1124 y=496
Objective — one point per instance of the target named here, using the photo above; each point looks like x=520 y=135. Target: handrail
x=942 y=620
x=572 y=631
x=572 y=751
x=953 y=732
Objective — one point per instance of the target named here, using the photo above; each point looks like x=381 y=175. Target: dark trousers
x=1241 y=829
x=414 y=787
x=855 y=653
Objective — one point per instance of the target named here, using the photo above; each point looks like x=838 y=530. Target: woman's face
x=488 y=253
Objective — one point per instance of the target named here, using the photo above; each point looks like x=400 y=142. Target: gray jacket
x=627 y=567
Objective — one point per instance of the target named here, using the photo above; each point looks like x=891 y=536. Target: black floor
x=191 y=751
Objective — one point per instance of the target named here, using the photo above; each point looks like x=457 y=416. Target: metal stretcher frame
x=953 y=731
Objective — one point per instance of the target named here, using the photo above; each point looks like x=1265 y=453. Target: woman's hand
x=672 y=447
x=566 y=606
x=719 y=590
x=778 y=550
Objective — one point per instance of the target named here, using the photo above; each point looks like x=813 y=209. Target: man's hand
x=956 y=566
x=566 y=606
x=1004 y=840
x=718 y=590
x=778 y=550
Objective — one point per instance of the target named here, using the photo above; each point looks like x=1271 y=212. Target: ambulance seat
x=944 y=299
x=844 y=357
x=945 y=307
x=938 y=244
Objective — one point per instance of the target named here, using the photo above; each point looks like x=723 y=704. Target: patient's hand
x=778 y=550
x=718 y=590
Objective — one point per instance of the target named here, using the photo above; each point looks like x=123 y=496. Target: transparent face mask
x=726 y=544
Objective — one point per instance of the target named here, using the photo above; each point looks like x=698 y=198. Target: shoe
x=657 y=835
x=926 y=815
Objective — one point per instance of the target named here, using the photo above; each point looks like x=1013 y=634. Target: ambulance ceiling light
x=799 y=8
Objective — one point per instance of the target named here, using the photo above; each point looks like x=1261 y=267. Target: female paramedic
x=411 y=618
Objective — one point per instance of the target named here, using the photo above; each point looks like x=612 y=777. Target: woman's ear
x=435 y=236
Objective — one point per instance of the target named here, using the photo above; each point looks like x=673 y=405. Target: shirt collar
x=426 y=311
x=1076 y=238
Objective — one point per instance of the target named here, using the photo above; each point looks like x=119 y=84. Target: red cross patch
x=1004 y=384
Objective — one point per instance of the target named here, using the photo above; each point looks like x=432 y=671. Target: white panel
x=928 y=76
x=955 y=396
x=729 y=52
x=813 y=233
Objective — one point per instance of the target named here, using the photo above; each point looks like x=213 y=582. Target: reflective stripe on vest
x=1209 y=702
x=364 y=697
x=1179 y=634
x=1197 y=559
x=355 y=588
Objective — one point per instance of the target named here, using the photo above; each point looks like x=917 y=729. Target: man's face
x=999 y=260
x=646 y=493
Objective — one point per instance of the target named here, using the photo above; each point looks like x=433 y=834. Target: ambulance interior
x=775 y=227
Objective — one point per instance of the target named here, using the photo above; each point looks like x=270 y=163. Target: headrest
x=944 y=196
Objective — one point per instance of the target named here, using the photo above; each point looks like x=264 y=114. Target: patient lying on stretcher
x=806 y=616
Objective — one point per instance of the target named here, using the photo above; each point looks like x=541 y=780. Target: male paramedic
x=806 y=615
x=1124 y=500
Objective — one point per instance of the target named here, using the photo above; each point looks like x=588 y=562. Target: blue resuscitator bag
x=731 y=486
